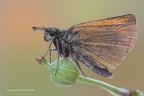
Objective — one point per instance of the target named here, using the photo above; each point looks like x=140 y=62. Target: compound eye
x=47 y=37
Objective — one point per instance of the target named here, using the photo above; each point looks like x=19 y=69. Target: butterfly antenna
x=38 y=28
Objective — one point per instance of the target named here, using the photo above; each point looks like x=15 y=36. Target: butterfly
x=101 y=45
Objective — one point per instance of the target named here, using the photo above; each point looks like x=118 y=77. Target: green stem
x=110 y=88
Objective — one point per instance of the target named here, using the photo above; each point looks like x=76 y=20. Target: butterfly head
x=49 y=33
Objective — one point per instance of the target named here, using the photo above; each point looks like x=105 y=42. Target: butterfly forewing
x=108 y=41
x=124 y=19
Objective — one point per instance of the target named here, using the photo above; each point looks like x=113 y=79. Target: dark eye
x=47 y=37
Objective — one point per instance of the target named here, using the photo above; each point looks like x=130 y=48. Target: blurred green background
x=20 y=45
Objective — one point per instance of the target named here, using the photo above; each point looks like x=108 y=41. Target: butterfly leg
x=57 y=43
x=75 y=60
x=49 y=50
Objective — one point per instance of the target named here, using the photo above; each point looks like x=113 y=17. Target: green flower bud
x=64 y=72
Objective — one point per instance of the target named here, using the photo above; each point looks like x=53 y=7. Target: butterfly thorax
x=61 y=43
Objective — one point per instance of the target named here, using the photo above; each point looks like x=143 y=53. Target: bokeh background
x=20 y=45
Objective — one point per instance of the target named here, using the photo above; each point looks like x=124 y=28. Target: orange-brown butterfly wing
x=124 y=19
x=109 y=40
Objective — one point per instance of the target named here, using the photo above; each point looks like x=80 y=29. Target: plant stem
x=110 y=88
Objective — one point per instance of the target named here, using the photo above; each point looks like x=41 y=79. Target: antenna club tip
x=34 y=28
x=38 y=28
